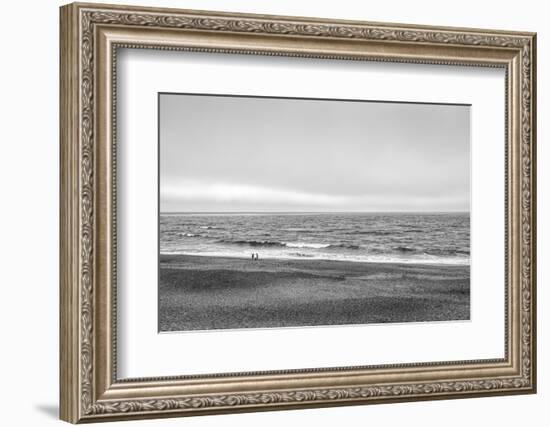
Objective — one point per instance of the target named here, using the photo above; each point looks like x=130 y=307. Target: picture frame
x=91 y=37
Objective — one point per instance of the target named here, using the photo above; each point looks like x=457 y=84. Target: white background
x=29 y=172
x=145 y=353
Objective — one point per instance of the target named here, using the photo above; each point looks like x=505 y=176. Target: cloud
x=196 y=195
x=193 y=191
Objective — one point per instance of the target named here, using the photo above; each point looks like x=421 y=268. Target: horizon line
x=306 y=212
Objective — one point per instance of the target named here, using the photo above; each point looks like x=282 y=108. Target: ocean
x=421 y=238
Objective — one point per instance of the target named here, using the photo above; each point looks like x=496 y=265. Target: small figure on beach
x=253 y=256
x=257 y=257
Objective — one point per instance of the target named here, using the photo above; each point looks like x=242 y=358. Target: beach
x=211 y=292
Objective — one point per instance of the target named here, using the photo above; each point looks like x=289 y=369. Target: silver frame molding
x=90 y=37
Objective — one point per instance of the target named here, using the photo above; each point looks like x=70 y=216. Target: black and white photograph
x=291 y=212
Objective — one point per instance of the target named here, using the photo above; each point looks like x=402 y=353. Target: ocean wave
x=462 y=252
x=253 y=242
x=303 y=230
x=372 y=232
x=451 y=252
x=403 y=249
x=274 y=243
x=306 y=245
x=344 y=246
x=282 y=255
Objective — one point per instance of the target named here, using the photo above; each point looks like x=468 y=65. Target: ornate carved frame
x=90 y=36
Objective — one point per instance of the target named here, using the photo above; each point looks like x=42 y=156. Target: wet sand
x=201 y=293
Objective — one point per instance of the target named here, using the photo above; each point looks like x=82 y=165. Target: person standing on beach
x=253 y=257
x=257 y=257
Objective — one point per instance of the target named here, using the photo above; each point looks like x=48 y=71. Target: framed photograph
x=266 y=212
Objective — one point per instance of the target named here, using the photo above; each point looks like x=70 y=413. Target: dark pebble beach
x=205 y=293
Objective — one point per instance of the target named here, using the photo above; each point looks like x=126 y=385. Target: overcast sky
x=233 y=154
